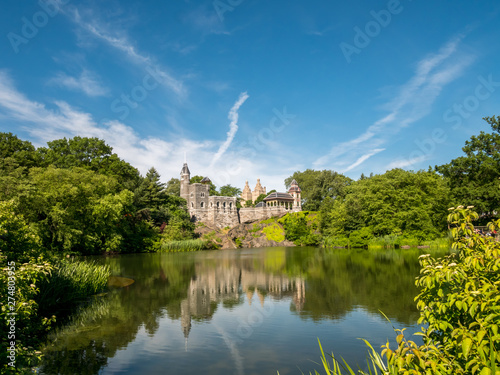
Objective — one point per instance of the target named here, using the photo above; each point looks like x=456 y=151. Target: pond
x=249 y=311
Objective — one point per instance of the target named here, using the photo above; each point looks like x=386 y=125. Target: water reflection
x=215 y=304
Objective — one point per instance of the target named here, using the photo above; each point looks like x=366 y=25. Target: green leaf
x=466 y=346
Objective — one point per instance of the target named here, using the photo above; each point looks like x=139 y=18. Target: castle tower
x=246 y=194
x=185 y=177
x=258 y=190
x=295 y=191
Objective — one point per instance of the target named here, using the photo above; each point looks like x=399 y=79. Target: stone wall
x=230 y=217
x=219 y=217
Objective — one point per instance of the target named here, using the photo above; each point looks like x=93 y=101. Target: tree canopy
x=229 y=191
x=474 y=178
x=395 y=202
x=89 y=153
x=318 y=185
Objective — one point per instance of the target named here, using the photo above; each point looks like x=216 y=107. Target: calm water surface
x=251 y=311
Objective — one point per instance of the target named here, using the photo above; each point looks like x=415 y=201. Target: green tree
x=397 y=202
x=165 y=211
x=18 y=242
x=16 y=157
x=473 y=178
x=317 y=185
x=75 y=210
x=16 y=151
x=89 y=153
x=260 y=198
x=173 y=187
x=229 y=191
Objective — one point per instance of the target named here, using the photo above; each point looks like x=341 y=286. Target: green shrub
x=239 y=243
x=459 y=304
x=29 y=324
x=274 y=232
x=360 y=238
x=336 y=242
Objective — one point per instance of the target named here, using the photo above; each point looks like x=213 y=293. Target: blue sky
x=247 y=89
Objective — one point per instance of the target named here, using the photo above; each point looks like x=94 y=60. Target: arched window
x=217 y=204
x=202 y=204
x=224 y=204
x=211 y=204
x=230 y=204
x=192 y=195
x=203 y=195
x=192 y=205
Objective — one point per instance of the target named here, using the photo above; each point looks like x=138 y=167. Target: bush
x=274 y=232
x=360 y=237
x=459 y=303
x=30 y=327
x=336 y=242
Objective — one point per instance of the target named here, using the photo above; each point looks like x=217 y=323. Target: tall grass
x=70 y=283
x=375 y=364
x=185 y=245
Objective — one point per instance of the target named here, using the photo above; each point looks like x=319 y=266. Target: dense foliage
x=318 y=185
x=459 y=304
x=400 y=203
x=72 y=197
x=473 y=178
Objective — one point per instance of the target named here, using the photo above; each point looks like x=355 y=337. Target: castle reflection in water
x=222 y=283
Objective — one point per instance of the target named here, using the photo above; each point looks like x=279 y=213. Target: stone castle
x=223 y=211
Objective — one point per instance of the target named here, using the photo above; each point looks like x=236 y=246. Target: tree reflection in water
x=185 y=287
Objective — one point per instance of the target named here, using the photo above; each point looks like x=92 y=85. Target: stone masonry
x=222 y=212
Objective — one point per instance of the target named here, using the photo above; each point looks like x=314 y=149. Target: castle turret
x=295 y=191
x=185 y=177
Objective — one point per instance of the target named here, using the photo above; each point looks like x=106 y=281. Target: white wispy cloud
x=404 y=163
x=233 y=127
x=121 y=43
x=44 y=123
x=362 y=159
x=412 y=102
x=87 y=82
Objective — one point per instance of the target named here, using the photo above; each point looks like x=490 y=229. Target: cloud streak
x=86 y=82
x=233 y=127
x=122 y=44
x=413 y=101
x=44 y=124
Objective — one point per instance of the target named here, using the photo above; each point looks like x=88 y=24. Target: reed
x=70 y=283
x=185 y=245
